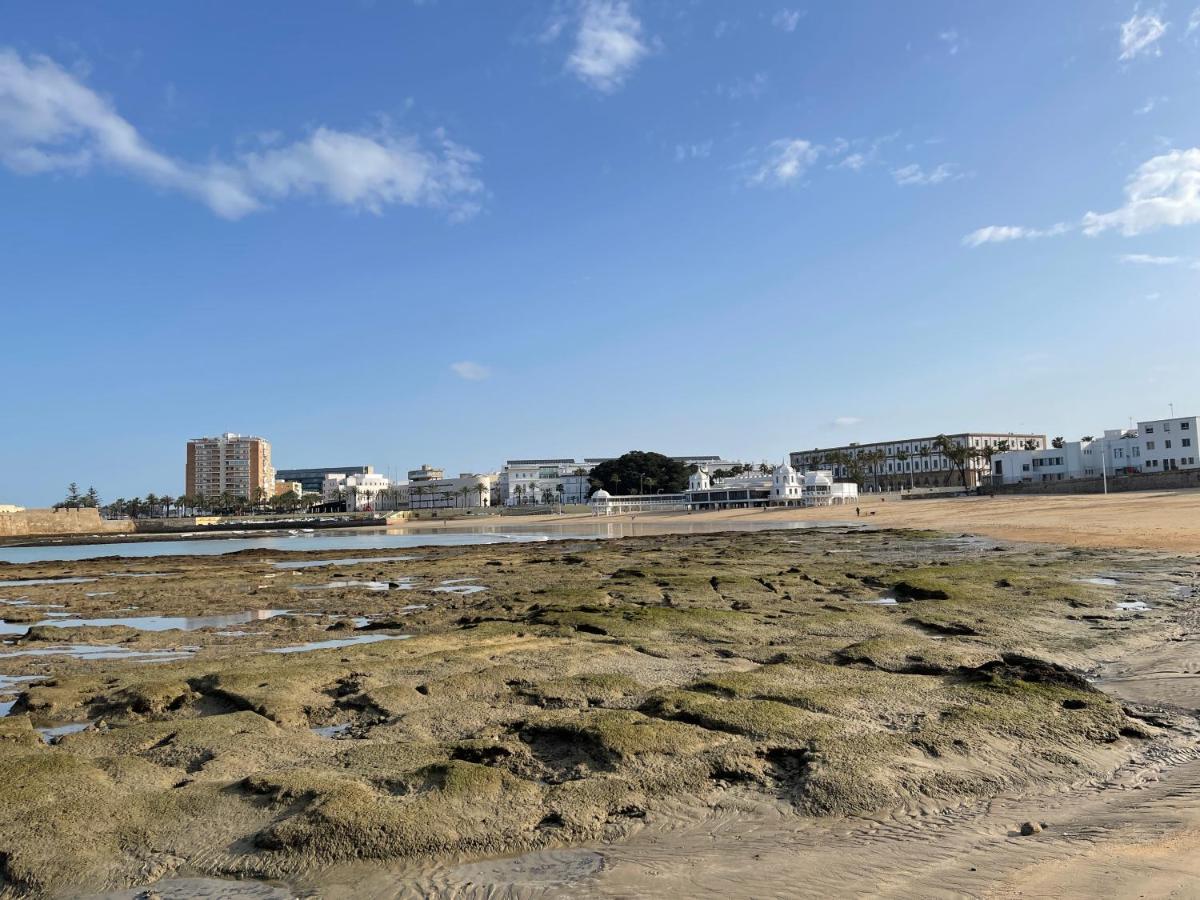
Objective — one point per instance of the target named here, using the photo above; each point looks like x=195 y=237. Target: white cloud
x=1164 y=191
x=787 y=19
x=470 y=371
x=951 y=39
x=854 y=162
x=753 y=87
x=784 y=163
x=51 y=122
x=1146 y=259
x=608 y=45
x=914 y=175
x=1193 y=22
x=846 y=421
x=701 y=150
x=1141 y=35
x=997 y=234
x=1149 y=106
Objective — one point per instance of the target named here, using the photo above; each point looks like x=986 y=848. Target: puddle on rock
x=332 y=731
x=1135 y=606
x=103 y=652
x=153 y=623
x=317 y=563
x=55 y=734
x=1098 y=580
x=448 y=587
x=882 y=601
x=405 y=585
x=29 y=582
x=339 y=642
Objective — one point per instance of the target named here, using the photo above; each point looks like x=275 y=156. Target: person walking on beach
x=858 y=511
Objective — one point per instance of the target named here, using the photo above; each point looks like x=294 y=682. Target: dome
x=817 y=478
x=601 y=495
x=786 y=469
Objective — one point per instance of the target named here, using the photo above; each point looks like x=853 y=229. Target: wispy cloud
x=1193 y=22
x=1151 y=104
x=1146 y=259
x=50 y=121
x=914 y=175
x=787 y=19
x=608 y=45
x=783 y=163
x=470 y=371
x=845 y=421
x=1140 y=35
x=998 y=234
x=700 y=150
x=952 y=39
x=1164 y=191
x=753 y=87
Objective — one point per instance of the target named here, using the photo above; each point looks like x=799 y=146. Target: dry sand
x=1160 y=520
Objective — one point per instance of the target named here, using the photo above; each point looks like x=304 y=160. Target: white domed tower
x=786 y=485
x=699 y=481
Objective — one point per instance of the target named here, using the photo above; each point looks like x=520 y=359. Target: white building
x=468 y=490
x=782 y=486
x=524 y=482
x=1168 y=444
x=1158 y=445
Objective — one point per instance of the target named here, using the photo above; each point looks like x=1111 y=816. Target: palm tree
x=926 y=453
x=167 y=502
x=519 y=492
x=560 y=490
x=418 y=492
x=479 y=489
x=466 y=491
x=902 y=456
x=151 y=503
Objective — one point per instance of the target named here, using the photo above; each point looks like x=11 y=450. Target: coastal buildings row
x=908 y=463
x=1154 y=446
x=524 y=482
x=782 y=486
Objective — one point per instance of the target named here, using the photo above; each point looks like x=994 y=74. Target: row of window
x=1166 y=426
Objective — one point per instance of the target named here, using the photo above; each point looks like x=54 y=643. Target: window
x=1149 y=429
x=1149 y=445
x=1184 y=426
x=1166 y=426
x=1186 y=442
x=1167 y=445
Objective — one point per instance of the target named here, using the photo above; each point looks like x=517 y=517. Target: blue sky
x=457 y=232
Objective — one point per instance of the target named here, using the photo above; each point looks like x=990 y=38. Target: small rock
x=1028 y=828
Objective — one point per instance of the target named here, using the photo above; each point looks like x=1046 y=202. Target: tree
x=151 y=503
x=958 y=454
x=903 y=457
x=646 y=470
x=519 y=492
x=167 y=501
x=465 y=491
x=1087 y=438
x=560 y=490
x=1003 y=446
x=1058 y=443
x=1030 y=444
x=73 y=499
x=91 y=498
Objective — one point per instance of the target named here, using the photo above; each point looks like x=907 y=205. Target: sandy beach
x=1166 y=520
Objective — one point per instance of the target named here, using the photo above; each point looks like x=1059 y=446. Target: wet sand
x=677 y=715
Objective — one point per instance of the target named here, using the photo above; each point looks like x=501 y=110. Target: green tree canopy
x=640 y=471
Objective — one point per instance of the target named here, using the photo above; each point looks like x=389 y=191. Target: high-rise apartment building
x=235 y=464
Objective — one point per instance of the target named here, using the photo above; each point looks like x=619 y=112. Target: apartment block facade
x=234 y=464
x=912 y=462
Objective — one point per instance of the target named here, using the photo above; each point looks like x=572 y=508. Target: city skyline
x=438 y=233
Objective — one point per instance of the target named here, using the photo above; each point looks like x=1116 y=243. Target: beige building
x=913 y=462
x=234 y=464
x=283 y=487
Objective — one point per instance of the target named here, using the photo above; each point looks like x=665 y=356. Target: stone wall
x=31 y=522
x=1157 y=481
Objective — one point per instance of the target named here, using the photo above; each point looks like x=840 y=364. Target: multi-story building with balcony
x=909 y=463
x=233 y=464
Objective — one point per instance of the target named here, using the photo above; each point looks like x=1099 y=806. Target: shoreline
x=1161 y=520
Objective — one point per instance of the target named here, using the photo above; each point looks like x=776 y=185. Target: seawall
x=31 y=522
